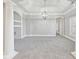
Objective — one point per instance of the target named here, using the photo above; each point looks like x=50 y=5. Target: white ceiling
x=55 y=6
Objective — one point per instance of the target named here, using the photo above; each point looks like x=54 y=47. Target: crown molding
x=28 y=13
x=72 y=8
x=22 y=8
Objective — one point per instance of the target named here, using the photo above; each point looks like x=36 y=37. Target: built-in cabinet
x=17 y=25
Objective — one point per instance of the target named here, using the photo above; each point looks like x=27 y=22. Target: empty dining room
x=39 y=29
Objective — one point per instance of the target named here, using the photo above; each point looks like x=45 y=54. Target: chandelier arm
x=44 y=11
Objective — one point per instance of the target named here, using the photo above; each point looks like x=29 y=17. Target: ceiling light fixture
x=44 y=10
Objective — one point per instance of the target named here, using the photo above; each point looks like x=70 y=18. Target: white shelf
x=17 y=21
x=17 y=26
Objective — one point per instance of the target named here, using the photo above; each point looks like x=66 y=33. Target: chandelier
x=44 y=10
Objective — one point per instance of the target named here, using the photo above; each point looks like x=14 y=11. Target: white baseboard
x=74 y=54
x=10 y=55
x=67 y=37
x=48 y=36
x=37 y=36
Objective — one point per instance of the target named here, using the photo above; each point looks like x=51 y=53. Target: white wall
x=67 y=26
x=18 y=29
x=70 y=24
x=73 y=27
x=34 y=25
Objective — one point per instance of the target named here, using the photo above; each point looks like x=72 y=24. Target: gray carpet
x=44 y=48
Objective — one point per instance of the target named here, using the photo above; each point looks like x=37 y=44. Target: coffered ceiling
x=54 y=6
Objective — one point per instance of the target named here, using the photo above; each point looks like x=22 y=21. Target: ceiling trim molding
x=28 y=13
x=73 y=7
x=14 y=3
x=47 y=14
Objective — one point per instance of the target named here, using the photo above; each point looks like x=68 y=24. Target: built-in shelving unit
x=17 y=25
x=17 y=21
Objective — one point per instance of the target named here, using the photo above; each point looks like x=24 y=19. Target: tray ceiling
x=51 y=5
